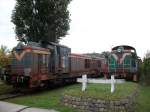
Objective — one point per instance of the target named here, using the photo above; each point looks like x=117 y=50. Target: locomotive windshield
x=29 y=58
x=21 y=61
x=20 y=58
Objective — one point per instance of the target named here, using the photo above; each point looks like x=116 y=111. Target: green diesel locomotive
x=124 y=62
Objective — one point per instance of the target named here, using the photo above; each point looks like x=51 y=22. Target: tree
x=145 y=70
x=4 y=50
x=5 y=56
x=41 y=20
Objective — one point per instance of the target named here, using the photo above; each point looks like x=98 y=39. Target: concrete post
x=112 y=83
x=84 y=82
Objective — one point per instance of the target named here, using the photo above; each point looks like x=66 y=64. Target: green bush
x=145 y=71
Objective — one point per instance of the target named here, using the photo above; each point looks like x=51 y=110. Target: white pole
x=84 y=82
x=112 y=83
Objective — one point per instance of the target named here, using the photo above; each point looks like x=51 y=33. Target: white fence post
x=84 y=82
x=112 y=83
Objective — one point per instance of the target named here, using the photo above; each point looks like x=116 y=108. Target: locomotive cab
x=28 y=63
x=33 y=65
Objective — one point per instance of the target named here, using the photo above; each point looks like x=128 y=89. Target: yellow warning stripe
x=40 y=52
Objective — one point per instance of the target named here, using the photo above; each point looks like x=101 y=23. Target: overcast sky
x=96 y=25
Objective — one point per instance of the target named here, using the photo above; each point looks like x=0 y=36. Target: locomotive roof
x=33 y=45
x=126 y=47
x=39 y=45
x=56 y=44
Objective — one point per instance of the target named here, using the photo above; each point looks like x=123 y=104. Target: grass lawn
x=51 y=99
x=102 y=91
x=143 y=101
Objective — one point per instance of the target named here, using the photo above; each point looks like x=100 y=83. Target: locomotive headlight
x=27 y=71
x=119 y=50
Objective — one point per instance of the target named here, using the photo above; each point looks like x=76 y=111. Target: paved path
x=9 y=107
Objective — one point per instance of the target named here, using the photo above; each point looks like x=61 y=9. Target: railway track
x=10 y=95
x=23 y=92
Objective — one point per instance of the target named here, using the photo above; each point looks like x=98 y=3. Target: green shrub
x=145 y=72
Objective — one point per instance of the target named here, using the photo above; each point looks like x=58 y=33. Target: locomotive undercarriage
x=125 y=75
x=20 y=81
